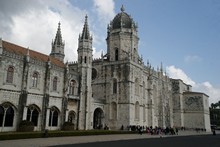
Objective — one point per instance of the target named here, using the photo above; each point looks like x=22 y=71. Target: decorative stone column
x=47 y=118
x=25 y=113
x=66 y=118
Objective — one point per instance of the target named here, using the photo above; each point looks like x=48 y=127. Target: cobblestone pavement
x=39 y=142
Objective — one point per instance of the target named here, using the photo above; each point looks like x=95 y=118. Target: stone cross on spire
x=122 y=8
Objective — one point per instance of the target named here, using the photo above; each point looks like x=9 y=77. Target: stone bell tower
x=122 y=38
x=85 y=71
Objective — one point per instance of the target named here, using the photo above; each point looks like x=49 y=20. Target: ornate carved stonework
x=193 y=103
x=175 y=86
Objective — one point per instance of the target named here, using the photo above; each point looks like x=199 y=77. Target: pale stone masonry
x=117 y=89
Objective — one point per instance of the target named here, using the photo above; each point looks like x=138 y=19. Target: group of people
x=153 y=131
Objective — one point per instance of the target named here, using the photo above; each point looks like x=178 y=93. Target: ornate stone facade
x=117 y=89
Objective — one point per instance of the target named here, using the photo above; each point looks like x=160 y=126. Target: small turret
x=58 y=46
x=161 y=67
x=85 y=44
x=28 y=55
x=85 y=33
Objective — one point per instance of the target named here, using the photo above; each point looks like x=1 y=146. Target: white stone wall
x=41 y=79
x=9 y=96
x=35 y=99
x=60 y=83
x=72 y=106
x=207 y=124
x=194 y=120
x=196 y=110
x=17 y=64
x=9 y=92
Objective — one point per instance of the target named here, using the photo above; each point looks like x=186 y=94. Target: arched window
x=32 y=114
x=73 y=88
x=134 y=59
x=81 y=60
x=137 y=111
x=116 y=54
x=1 y=115
x=114 y=86
x=85 y=60
x=9 y=117
x=72 y=117
x=53 y=119
x=35 y=77
x=6 y=115
x=55 y=84
x=94 y=73
x=10 y=75
x=98 y=118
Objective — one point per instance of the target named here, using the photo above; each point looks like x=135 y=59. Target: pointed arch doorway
x=98 y=117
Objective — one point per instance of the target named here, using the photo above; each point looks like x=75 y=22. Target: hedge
x=27 y=135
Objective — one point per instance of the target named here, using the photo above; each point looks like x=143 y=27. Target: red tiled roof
x=10 y=47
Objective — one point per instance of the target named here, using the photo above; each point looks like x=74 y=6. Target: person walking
x=176 y=131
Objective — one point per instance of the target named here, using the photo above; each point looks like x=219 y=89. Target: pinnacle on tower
x=161 y=67
x=85 y=33
x=58 y=38
x=28 y=53
x=58 y=45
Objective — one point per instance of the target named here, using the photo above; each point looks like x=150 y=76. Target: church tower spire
x=58 y=46
x=85 y=71
x=85 y=33
x=85 y=45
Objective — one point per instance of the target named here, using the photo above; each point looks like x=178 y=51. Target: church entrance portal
x=98 y=118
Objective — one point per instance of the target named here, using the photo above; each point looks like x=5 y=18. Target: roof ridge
x=17 y=49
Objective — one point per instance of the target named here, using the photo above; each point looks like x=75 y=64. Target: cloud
x=105 y=9
x=194 y=58
x=104 y=13
x=97 y=54
x=209 y=89
x=33 y=24
x=205 y=87
x=177 y=73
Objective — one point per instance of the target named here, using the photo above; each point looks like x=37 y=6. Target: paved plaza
x=37 y=142
x=181 y=141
